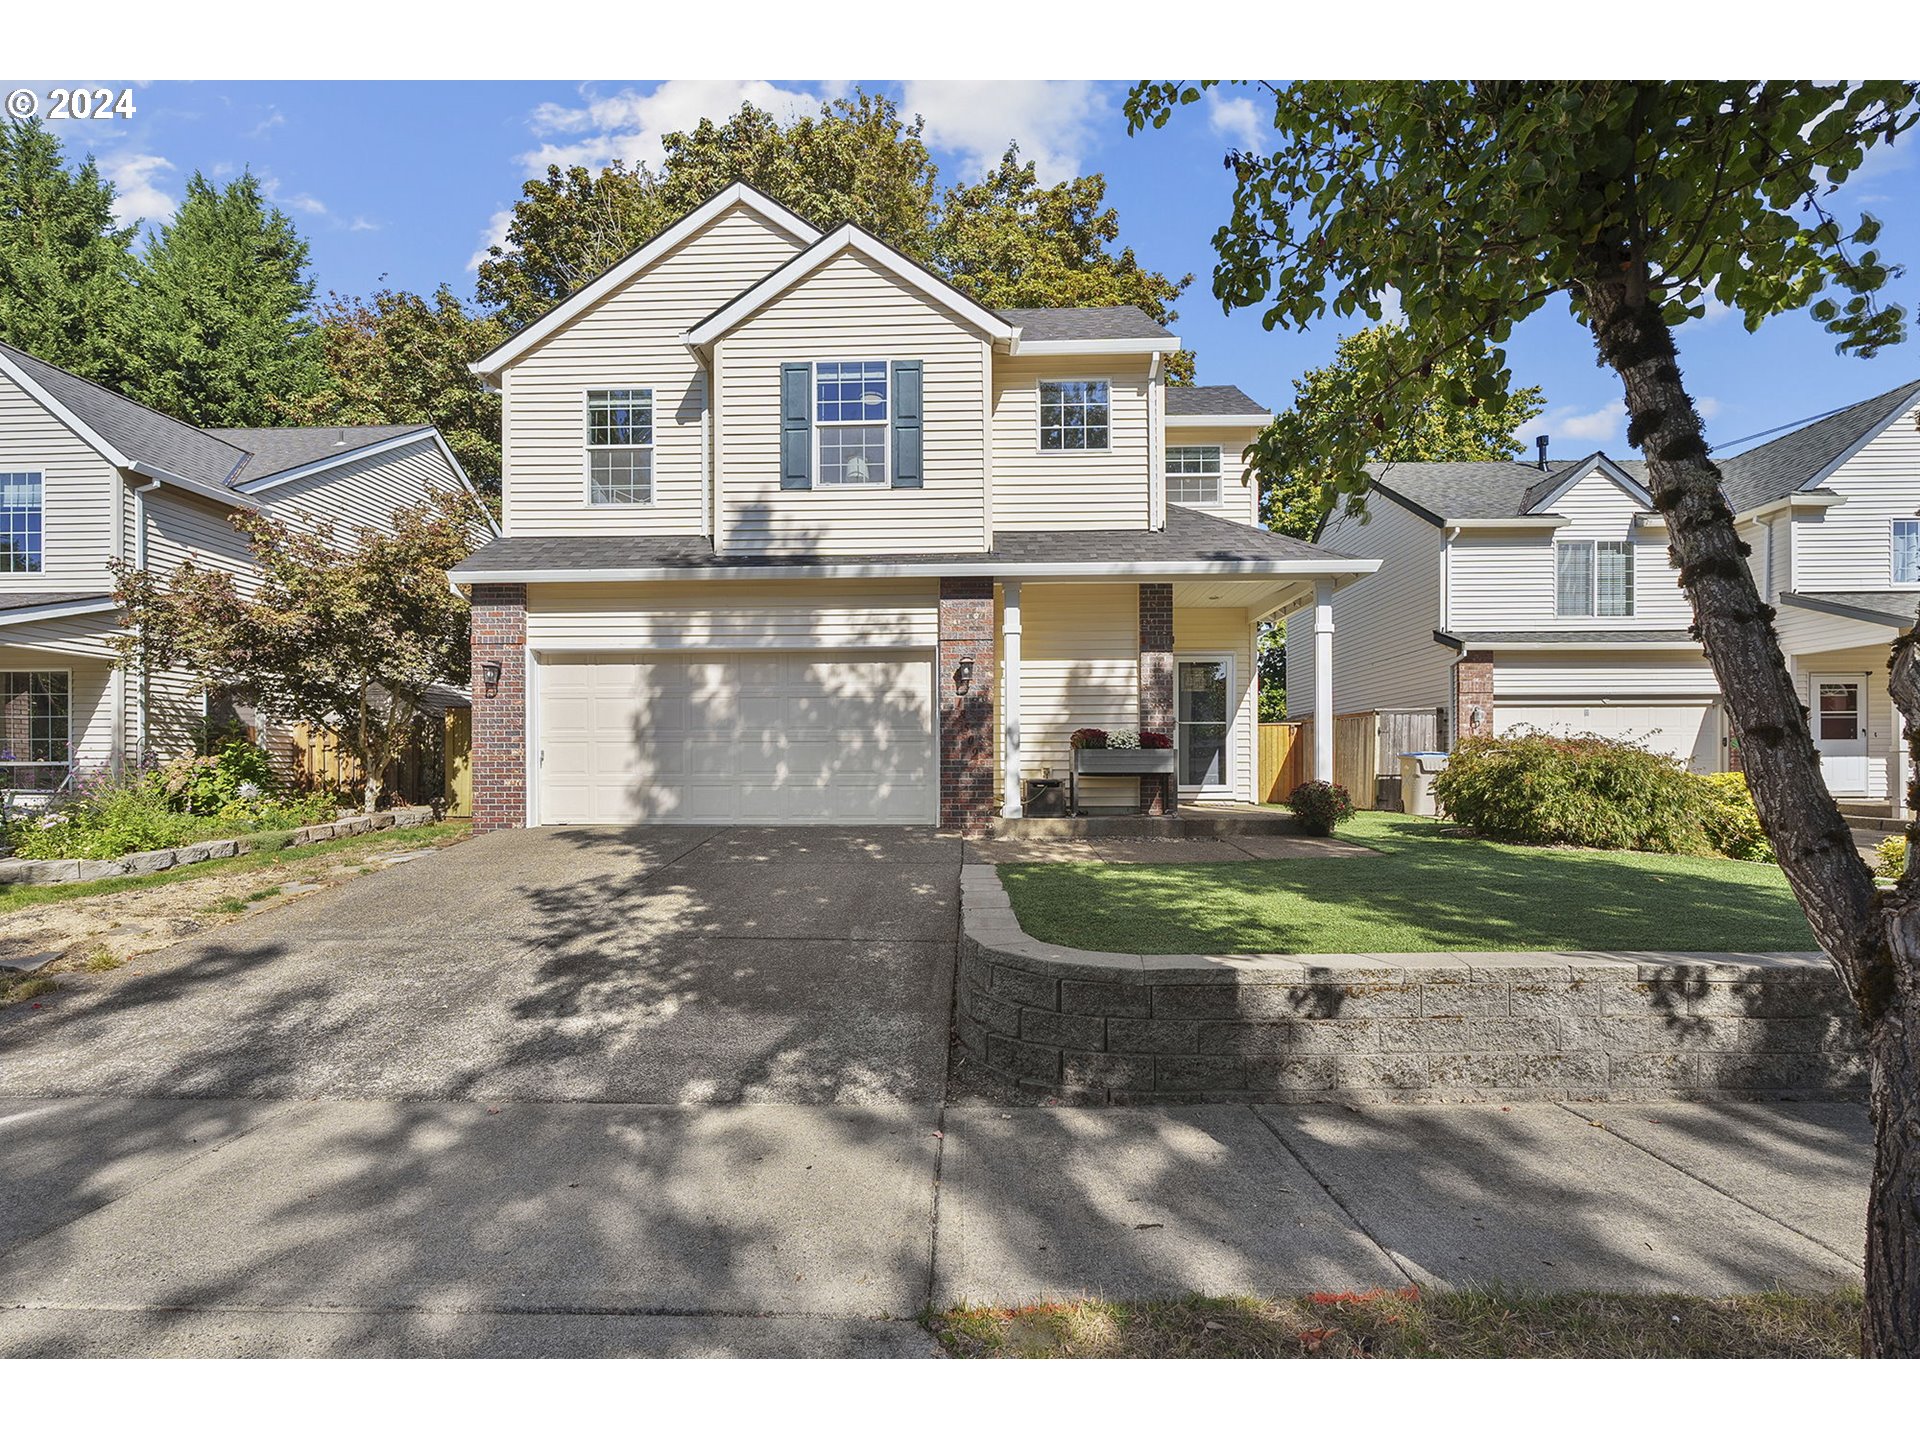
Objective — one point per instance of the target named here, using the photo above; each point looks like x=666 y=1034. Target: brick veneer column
x=1157 y=792
x=966 y=719
x=1472 y=685
x=500 y=717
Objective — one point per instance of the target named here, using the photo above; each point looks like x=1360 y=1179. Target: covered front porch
x=1837 y=653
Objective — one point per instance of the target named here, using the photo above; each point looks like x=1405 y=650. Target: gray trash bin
x=1417 y=769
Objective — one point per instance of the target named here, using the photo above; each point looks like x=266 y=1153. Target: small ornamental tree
x=346 y=632
x=1633 y=203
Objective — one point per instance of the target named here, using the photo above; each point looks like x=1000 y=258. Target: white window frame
x=1169 y=476
x=588 y=447
x=72 y=761
x=1893 y=553
x=1230 y=783
x=819 y=426
x=1039 y=403
x=40 y=560
x=1592 y=612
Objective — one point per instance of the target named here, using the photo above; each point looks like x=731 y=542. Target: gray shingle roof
x=1896 y=607
x=144 y=436
x=1463 y=489
x=1086 y=322
x=27 y=599
x=1572 y=639
x=1189 y=536
x=1780 y=467
x=1211 y=400
x=271 y=451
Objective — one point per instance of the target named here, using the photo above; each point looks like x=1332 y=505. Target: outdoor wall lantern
x=490 y=672
x=963 y=675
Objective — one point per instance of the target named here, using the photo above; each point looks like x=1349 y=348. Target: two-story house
x=794 y=531
x=1514 y=595
x=88 y=477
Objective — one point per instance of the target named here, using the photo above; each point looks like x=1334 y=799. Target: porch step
x=1885 y=823
x=1188 y=824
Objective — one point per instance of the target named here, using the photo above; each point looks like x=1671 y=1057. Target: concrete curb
x=152 y=862
x=1576 y=1025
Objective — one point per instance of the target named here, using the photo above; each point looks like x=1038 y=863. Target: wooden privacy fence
x=436 y=768
x=1367 y=746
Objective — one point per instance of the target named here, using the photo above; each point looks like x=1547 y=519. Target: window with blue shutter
x=907 y=424
x=796 y=427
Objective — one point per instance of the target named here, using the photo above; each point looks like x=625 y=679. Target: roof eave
x=1849 y=612
x=1140 y=345
x=1338 y=569
x=1194 y=422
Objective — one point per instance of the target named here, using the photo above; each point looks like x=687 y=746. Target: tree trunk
x=1875 y=957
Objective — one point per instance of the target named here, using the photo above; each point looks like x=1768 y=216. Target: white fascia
x=1218 y=422
x=667 y=240
x=57 y=610
x=880 y=570
x=65 y=416
x=194 y=487
x=1510 y=522
x=365 y=452
x=1142 y=346
x=1579 y=471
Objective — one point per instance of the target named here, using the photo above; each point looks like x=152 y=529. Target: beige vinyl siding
x=1216 y=631
x=850 y=309
x=1072 y=490
x=632 y=338
x=183 y=526
x=1612 y=674
x=364 y=492
x=1849 y=547
x=1079 y=666
x=735 y=615
x=78 y=492
x=1239 y=495
x=1802 y=631
x=1384 y=653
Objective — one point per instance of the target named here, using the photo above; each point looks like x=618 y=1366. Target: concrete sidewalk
x=345 y=1227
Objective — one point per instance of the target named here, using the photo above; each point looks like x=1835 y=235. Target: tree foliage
x=346 y=631
x=397 y=358
x=1633 y=203
x=221 y=323
x=66 y=265
x=1298 y=485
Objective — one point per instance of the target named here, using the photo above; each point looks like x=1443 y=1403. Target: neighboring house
x=1511 y=595
x=796 y=532
x=88 y=477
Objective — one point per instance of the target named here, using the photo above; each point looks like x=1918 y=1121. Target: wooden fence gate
x=1367 y=746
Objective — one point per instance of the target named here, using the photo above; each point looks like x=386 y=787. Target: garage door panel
x=759 y=738
x=1688 y=730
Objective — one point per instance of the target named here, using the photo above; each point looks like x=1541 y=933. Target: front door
x=1840 y=732
x=1204 y=690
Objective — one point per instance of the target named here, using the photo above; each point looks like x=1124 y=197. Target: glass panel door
x=1201 y=689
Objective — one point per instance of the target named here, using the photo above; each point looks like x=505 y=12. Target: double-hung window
x=1594 y=577
x=1906 y=552
x=35 y=729
x=620 y=447
x=850 y=415
x=1193 y=474
x=21 y=515
x=1075 y=415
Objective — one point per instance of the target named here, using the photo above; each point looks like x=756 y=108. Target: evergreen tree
x=66 y=267
x=222 y=330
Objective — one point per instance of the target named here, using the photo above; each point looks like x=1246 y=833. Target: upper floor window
x=850 y=414
x=1074 y=415
x=1193 y=474
x=1594 y=577
x=620 y=447
x=35 y=735
x=21 y=513
x=1906 y=552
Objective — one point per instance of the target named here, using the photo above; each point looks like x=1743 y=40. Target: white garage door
x=1688 y=730
x=754 y=738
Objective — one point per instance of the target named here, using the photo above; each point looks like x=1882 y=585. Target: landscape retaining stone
x=1130 y=1029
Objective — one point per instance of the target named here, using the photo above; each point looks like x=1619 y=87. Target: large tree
x=66 y=265
x=1632 y=202
x=346 y=630
x=397 y=358
x=1291 y=458
x=1012 y=243
x=222 y=330
x=566 y=228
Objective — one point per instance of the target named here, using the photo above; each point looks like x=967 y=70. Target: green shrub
x=1581 y=790
x=1890 y=857
x=1319 y=806
x=237 y=777
x=1733 y=825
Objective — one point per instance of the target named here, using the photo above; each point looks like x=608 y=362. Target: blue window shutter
x=796 y=427
x=907 y=471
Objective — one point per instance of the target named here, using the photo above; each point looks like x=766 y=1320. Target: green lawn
x=1422 y=892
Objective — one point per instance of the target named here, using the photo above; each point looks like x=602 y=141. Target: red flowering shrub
x=1319 y=806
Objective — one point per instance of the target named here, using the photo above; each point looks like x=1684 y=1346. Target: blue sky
x=406 y=181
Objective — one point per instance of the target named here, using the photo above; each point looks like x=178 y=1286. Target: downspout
x=141 y=694
x=1448 y=534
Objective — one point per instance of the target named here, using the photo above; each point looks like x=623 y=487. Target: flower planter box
x=1118 y=762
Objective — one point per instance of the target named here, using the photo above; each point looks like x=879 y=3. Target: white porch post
x=1323 y=680
x=1011 y=804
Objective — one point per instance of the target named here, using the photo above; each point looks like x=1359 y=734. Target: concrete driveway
x=652 y=965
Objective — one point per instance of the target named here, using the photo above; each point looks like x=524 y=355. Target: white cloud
x=1568 y=422
x=1055 y=121
x=1391 y=311
x=304 y=203
x=1708 y=407
x=494 y=234
x=630 y=124
x=273 y=119
x=137 y=194
x=1237 y=118
x=360 y=223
